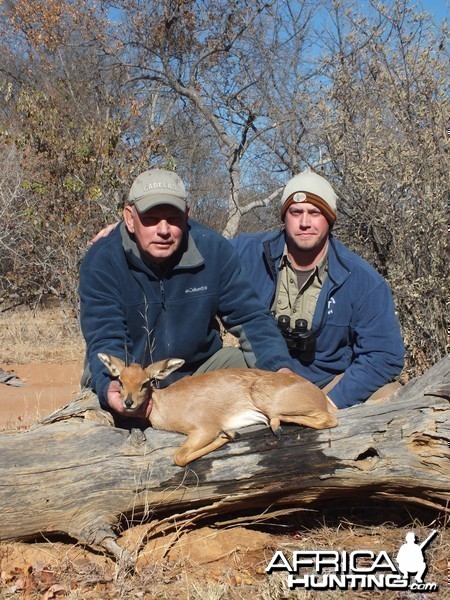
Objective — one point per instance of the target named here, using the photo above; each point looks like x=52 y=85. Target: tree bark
x=76 y=474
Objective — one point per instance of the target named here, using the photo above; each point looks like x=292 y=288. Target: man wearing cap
x=153 y=288
x=353 y=347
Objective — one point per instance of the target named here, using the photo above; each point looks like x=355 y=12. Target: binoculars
x=300 y=340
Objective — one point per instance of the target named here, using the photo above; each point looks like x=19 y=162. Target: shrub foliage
x=237 y=97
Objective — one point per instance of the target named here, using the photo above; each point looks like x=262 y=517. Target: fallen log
x=76 y=474
x=10 y=378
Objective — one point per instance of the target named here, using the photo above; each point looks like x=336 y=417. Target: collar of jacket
x=273 y=251
x=337 y=269
x=190 y=258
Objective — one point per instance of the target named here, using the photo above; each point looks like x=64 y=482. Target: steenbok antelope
x=208 y=408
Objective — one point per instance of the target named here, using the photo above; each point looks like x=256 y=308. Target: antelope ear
x=114 y=364
x=163 y=368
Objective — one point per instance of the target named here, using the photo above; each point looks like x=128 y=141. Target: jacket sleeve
x=246 y=317
x=378 y=349
x=102 y=322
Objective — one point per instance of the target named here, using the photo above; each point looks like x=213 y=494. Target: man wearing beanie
x=153 y=288
x=352 y=346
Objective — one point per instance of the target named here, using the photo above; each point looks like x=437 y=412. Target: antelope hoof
x=277 y=433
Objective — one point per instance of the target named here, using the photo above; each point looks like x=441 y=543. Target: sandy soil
x=48 y=386
x=200 y=560
x=167 y=566
x=203 y=563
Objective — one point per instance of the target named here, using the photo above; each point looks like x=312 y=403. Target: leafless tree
x=383 y=129
x=212 y=55
x=237 y=97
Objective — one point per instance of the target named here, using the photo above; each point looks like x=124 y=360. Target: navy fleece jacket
x=355 y=322
x=139 y=315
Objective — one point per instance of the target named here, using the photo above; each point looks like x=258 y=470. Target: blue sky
x=440 y=9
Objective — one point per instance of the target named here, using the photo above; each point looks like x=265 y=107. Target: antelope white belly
x=244 y=419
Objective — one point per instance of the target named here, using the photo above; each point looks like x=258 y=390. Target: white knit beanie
x=312 y=188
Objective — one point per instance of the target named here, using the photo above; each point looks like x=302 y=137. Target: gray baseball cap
x=157 y=186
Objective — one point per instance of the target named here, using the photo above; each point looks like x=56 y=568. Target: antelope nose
x=128 y=403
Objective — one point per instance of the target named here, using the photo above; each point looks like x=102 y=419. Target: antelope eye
x=144 y=386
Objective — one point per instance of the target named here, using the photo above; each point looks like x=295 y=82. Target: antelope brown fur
x=210 y=407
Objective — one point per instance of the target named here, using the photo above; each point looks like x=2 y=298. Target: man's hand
x=115 y=402
x=103 y=233
x=284 y=370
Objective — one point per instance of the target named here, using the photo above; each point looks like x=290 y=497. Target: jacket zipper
x=162 y=293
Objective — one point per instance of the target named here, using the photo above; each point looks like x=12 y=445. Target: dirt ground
x=165 y=566
x=48 y=386
x=204 y=563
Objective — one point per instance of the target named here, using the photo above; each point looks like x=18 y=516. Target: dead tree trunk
x=79 y=476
